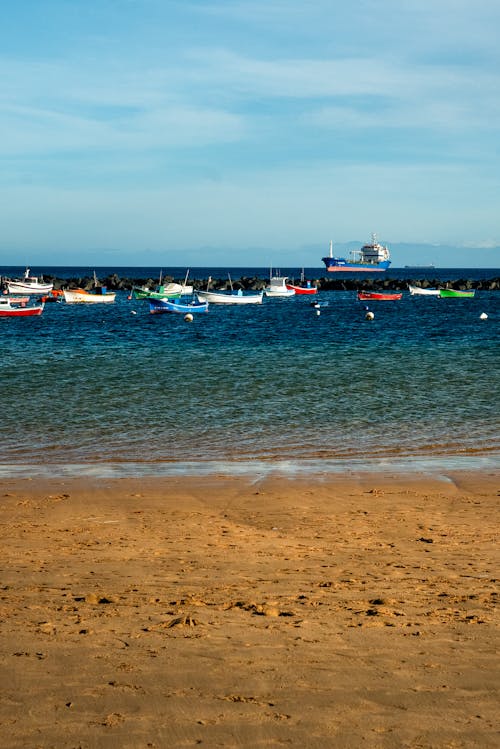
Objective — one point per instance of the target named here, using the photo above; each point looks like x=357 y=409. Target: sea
x=276 y=388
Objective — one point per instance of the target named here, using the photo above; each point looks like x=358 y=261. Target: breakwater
x=256 y=283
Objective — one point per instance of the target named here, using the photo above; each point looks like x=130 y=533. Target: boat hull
x=302 y=289
x=417 y=291
x=85 y=297
x=279 y=292
x=7 y=311
x=164 y=305
x=456 y=294
x=278 y=287
x=222 y=297
x=167 y=291
x=149 y=295
x=341 y=265
x=19 y=287
x=369 y=296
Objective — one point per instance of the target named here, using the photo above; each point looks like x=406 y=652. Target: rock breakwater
x=255 y=283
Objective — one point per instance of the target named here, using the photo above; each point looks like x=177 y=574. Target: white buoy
x=483 y=316
x=369 y=316
x=133 y=312
x=318 y=312
x=188 y=317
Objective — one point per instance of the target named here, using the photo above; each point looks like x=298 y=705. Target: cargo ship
x=372 y=257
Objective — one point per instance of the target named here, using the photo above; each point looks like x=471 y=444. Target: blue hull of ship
x=339 y=265
x=163 y=305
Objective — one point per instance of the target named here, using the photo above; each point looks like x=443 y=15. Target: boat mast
x=331 y=248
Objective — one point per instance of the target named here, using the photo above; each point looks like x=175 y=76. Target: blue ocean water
x=270 y=384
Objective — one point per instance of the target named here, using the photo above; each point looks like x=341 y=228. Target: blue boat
x=176 y=305
x=372 y=257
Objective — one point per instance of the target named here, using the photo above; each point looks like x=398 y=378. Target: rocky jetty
x=115 y=283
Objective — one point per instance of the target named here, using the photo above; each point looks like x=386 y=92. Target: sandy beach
x=237 y=612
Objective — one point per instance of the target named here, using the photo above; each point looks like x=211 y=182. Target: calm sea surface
x=115 y=390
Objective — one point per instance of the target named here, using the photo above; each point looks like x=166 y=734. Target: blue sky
x=248 y=132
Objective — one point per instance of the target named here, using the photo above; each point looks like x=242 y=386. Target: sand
x=223 y=612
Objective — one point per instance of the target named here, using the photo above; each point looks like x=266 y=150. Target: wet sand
x=226 y=612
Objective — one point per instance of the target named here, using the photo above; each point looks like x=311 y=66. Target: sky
x=248 y=132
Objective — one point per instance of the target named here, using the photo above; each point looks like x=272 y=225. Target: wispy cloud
x=236 y=99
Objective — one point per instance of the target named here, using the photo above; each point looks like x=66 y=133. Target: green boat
x=163 y=291
x=456 y=293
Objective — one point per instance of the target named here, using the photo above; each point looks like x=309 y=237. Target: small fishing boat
x=278 y=286
x=456 y=293
x=162 y=291
x=418 y=291
x=80 y=296
x=176 y=305
x=9 y=308
x=370 y=296
x=55 y=296
x=98 y=295
x=303 y=287
x=28 y=285
x=231 y=296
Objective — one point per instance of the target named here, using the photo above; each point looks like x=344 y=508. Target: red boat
x=304 y=287
x=369 y=296
x=9 y=309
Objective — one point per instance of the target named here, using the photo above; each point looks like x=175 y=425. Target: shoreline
x=317 y=468
x=250 y=611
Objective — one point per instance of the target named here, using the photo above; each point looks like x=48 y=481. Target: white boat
x=29 y=285
x=231 y=296
x=98 y=295
x=417 y=291
x=80 y=296
x=277 y=287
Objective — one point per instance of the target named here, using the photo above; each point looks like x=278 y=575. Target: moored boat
x=8 y=308
x=457 y=293
x=176 y=305
x=369 y=296
x=372 y=257
x=230 y=296
x=303 y=287
x=29 y=285
x=80 y=296
x=419 y=291
x=98 y=295
x=278 y=287
x=170 y=290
